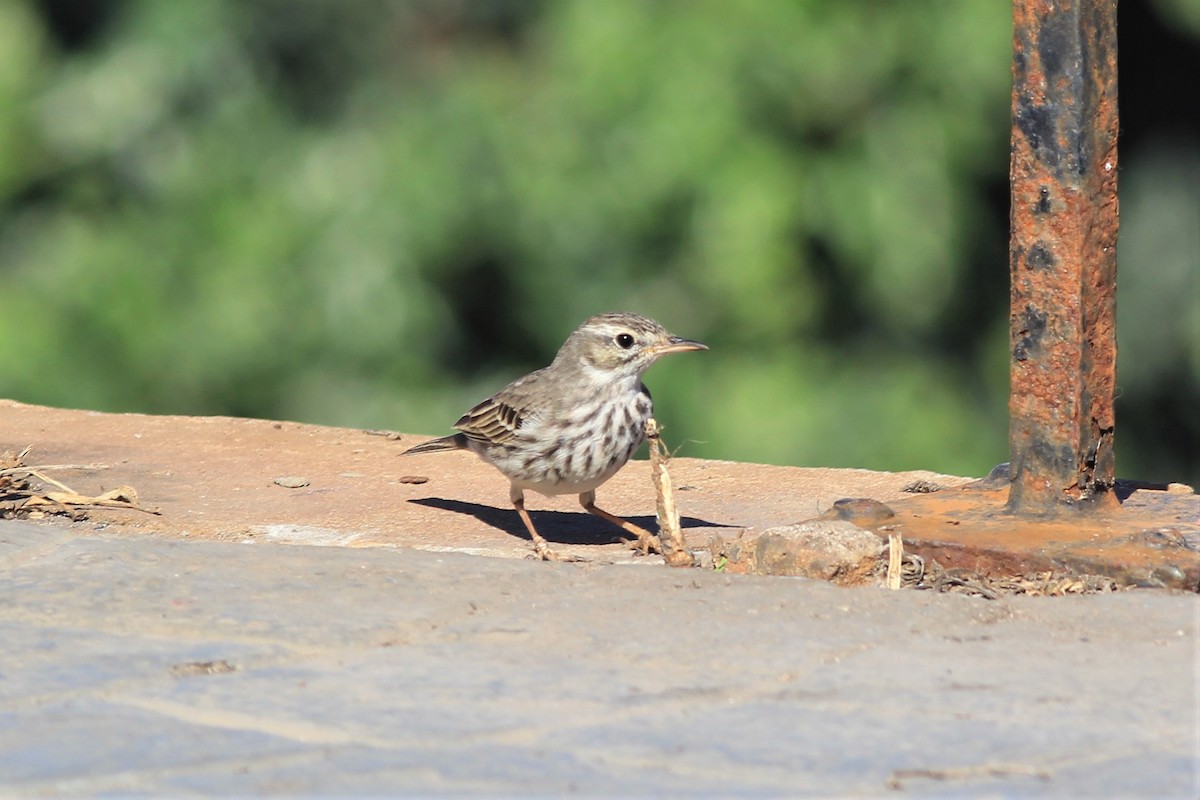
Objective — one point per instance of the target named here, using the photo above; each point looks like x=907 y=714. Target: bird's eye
x=624 y=340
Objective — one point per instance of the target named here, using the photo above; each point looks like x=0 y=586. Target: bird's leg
x=647 y=542
x=540 y=545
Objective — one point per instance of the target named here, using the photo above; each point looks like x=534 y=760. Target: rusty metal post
x=1063 y=255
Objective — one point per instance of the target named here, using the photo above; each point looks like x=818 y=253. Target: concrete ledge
x=148 y=665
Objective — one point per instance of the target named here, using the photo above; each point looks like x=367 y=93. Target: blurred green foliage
x=374 y=213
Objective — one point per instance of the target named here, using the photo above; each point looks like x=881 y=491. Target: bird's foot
x=645 y=543
x=542 y=552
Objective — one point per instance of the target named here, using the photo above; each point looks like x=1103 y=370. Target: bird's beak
x=677 y=345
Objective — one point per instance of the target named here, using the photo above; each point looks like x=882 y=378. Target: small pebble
x=292 y=483
x=414 y=479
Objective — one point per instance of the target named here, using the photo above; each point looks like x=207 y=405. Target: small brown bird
x=569 y=427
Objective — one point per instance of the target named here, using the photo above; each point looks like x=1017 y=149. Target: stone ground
x=347 y=637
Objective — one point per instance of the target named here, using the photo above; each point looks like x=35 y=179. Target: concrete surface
x=215 y=478
x=216 y=649
x=154 y=665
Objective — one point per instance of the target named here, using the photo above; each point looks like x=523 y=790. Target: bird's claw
x=542 y=552
x=645 y=544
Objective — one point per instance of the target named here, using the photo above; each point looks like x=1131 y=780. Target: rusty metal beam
x=1063 y=255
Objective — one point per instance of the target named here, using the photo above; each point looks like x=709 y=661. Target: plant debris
x=395 y=437
x=916 y=573
x=922 y=487
x=21 y=498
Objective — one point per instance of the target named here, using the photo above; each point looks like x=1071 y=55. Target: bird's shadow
x=560 y=527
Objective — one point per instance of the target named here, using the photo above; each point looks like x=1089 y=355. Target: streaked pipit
x=567 y=428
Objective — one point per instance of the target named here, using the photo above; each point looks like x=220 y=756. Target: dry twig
x=670 y=535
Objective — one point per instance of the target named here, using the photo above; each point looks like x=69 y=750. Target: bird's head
x=621 y=344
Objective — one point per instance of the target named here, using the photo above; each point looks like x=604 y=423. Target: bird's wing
x=491 y=422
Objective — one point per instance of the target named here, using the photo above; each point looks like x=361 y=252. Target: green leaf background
x=373 y=214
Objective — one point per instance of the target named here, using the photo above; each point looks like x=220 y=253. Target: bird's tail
x=457 y=441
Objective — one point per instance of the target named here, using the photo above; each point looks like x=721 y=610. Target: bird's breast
x=577 y=451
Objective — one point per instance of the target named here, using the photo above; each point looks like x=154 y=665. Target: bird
x=569 y=427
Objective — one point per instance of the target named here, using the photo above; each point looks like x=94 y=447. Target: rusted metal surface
x=1063 y=256
x=1153 y=542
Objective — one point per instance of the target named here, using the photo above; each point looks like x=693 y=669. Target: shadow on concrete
x=560 y=527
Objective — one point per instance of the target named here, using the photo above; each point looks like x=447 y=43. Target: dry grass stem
x=670 y=534
x=895 y=561
x=19 y=498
